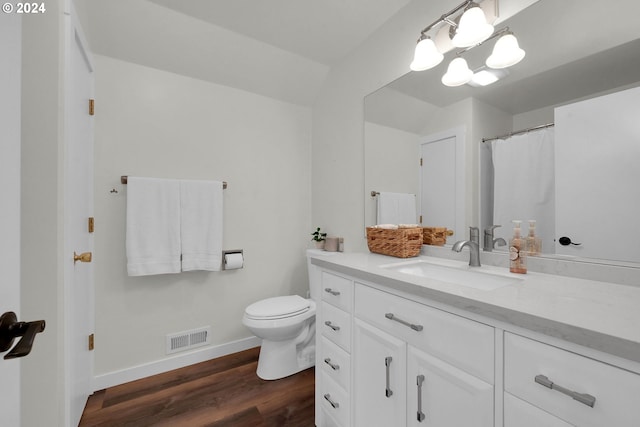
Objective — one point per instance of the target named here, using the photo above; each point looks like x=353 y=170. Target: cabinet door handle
x=335 y=405
x=334 y=366
x=387 y=364
x=413 y=326
x=332 y=292
x=332 y=326
x=587 y=399
x=420 y=414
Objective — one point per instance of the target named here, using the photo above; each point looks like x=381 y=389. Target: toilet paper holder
x=230 y=252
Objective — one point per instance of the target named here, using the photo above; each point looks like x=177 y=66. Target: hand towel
x=396 y=208
x=201 y=224
x=153 y=226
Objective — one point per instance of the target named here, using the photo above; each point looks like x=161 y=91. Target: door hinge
x=91 y=107
x=90 y=224
x=420 y=161
x=420 y=219
x=91 y=342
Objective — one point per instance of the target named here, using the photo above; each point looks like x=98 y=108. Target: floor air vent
x=187 y=340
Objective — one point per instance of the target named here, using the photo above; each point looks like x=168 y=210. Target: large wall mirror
x=573 y=53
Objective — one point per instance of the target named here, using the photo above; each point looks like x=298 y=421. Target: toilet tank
x=314 y=275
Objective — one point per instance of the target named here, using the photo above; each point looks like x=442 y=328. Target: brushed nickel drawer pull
x=387 y=364
x=420 y=414
x=332 y=326
x=334 y=366
x=335 y=405
x=413 y=326
x=587 y=399
x=332 y=292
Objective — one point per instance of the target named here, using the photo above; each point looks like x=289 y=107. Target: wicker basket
x=401 y=243
x=436 y=236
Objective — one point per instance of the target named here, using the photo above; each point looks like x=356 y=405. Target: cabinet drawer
x=614 y=389
x=463 y=343
x=337 y=290
x=336 y=363
x=518 y=413
x=336 y=325
x=335 y=401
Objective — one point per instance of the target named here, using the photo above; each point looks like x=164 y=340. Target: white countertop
x=599 y=315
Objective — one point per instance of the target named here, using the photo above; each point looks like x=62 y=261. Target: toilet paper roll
x=233 y=261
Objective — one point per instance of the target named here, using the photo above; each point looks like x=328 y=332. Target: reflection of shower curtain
x=524 y=184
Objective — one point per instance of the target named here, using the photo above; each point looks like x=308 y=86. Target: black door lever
x=10 y=329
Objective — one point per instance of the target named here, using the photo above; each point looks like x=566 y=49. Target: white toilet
x=287 y=327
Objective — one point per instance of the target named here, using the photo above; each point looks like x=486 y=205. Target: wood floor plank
x=222 y=392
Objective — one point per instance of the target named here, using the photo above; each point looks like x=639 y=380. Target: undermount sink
x=473 y=277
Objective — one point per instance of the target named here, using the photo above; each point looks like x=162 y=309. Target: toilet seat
x=278 y=308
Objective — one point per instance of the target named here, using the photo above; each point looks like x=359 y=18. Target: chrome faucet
x=473 y=244
x=489 y=242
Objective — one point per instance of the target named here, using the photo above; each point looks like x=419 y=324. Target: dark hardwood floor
x=221 y=392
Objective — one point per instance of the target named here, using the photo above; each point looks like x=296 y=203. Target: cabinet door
x=379 y=365
x=440 y=395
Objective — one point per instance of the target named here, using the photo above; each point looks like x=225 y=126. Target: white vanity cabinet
x=387 y=356
x=333 y=354
x=415 y=365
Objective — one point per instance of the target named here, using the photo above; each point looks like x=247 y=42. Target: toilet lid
x=277 y=307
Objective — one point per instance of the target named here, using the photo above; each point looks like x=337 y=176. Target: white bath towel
x=396 y=208
x=201 y=225
x=153 y=226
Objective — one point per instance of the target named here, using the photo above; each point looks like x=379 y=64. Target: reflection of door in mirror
x=442 y=181
x=597 y=176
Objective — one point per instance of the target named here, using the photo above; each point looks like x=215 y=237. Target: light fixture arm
x=446 y=17
x=500 y=32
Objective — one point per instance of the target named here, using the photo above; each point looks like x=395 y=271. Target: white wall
x=391 y=160
x=338 y=115
x=10 y=67
x=154 y=123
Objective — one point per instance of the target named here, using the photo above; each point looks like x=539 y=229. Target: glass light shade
x=426 y=55
x=458 y=73
x=506 y=52
x=472 y=29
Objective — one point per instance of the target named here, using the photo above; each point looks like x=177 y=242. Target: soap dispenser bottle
x=534 y=243
x=517 y=252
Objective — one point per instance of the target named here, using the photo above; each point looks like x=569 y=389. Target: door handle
x=387 y=364
x=10 y=329
x=83 y=257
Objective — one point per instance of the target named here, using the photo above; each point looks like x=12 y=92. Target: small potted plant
x=319 y=238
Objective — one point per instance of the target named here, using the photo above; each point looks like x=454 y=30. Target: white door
x=78 y=209
x=379 y=378
x=599 y=134
x=10 y=69
x=440 y=395
x=442 y=182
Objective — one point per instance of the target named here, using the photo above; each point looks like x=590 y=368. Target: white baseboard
x=178 y=361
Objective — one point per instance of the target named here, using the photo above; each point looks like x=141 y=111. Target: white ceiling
x=278 y=48
x=323 y=31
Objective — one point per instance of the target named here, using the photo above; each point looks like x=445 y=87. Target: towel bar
x=124 y=178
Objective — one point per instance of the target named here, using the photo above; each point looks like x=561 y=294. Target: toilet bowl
x=287 y=327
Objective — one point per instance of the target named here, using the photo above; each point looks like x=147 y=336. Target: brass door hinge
x=91 y=107
x=91 y=342
x=90 y=224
